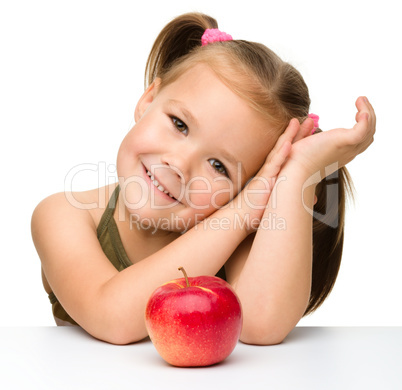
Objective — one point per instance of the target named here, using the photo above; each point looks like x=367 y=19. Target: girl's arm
x=108 y=304
x=273 y=278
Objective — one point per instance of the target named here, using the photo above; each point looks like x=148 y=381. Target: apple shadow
x=229 y=361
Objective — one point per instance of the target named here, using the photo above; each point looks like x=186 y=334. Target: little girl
x=224 y=172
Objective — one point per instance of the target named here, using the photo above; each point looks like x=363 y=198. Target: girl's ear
x=146 y=99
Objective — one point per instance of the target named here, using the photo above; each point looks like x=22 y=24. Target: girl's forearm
x=203 y=250
x=274 y=284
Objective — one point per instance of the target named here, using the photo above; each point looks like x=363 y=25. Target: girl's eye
x=180 y=125
x=218 y=166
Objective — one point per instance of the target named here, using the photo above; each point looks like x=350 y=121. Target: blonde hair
x=276 y=90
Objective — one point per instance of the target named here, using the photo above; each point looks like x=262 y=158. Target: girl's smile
x=158 y=188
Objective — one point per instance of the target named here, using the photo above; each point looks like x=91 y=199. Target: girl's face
x=193 y=147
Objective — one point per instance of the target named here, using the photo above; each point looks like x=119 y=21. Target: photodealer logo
x=255 y=197
x=331 y=215
x=81 y=174
x=199 y=193
x=270 y=221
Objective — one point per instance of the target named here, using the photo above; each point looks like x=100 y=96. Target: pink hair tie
x=212 y=35
x=315 y=118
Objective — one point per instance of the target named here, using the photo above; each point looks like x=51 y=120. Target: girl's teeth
x=157 y=185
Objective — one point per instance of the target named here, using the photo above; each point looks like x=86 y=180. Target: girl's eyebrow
x=189 y=117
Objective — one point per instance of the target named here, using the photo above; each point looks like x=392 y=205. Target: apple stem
x=185 y=275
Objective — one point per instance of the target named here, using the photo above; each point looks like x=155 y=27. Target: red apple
x=194 y=321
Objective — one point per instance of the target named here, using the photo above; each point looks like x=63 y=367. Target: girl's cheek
x=203 y=195
x=222 y=196
x=134 y=191
x=198 y=193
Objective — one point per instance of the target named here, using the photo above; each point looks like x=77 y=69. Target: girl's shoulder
x=84 y=207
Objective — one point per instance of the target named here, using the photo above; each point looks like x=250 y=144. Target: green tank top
x=110 y=241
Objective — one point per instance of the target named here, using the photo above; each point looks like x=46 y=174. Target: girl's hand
x=254 y=197
x=330 y=150
x=296 y=149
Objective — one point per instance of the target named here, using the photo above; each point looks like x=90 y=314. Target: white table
x=310 y=358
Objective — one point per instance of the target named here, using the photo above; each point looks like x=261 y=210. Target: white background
x=70 y=76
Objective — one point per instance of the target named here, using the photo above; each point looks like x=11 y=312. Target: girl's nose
x=179 y=163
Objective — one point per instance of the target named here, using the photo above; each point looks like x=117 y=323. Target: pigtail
x=328 y=233
x=178 y=38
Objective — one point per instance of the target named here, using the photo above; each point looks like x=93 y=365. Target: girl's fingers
x=288 y=135
x=364 y=106
x=372 y=118
x=305 y=130
x=364 y=129
x=272 y=168
x=361 y=106
x=280 y=157
x=281 y=150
